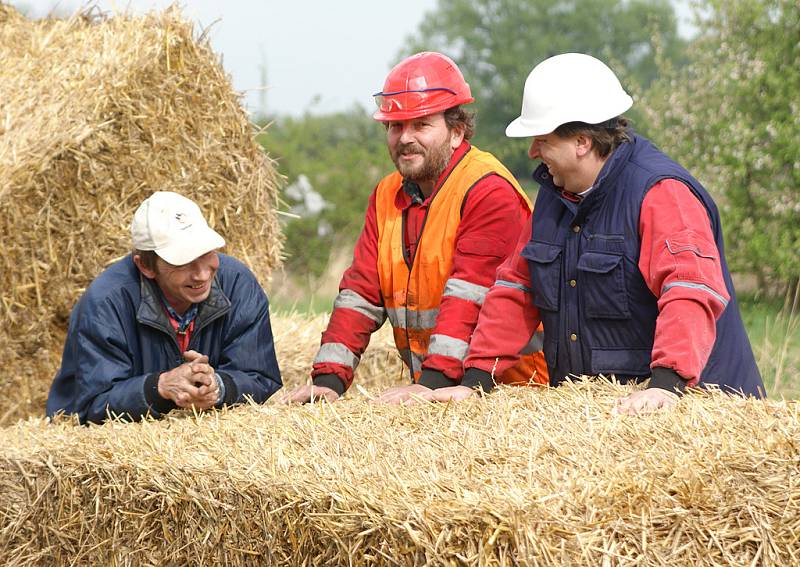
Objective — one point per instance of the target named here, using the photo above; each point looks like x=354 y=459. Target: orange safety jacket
x=412 y=288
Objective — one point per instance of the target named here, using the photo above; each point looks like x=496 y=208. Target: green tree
x=496 y=43
x=340 y=157
x=732 y=117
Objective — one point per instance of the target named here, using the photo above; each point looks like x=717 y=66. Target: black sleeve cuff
x=153 y=398
x=478 y=379
x=435 y=379
x=331 y=381
x=231 y=391
x=667 y=379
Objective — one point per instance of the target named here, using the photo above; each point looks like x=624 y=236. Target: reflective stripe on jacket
x=412 y=288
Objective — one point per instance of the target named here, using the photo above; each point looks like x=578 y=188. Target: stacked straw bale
x=523 y=477
x=297 y=339
x=96 y=113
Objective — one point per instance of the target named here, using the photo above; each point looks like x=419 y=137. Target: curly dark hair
x=457 y=117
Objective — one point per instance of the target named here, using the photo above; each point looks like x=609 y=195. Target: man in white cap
x=622 y=260
x=174 y=324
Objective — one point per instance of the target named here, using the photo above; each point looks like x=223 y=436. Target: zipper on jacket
x=410 y=264
x=170 y=332
x=410 y=261
x=205 y=323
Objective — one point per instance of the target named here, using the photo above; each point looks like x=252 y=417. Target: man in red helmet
x=435 y=232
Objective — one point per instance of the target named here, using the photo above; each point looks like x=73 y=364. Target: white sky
x=321 y=55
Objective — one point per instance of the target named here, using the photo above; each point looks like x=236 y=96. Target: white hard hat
x=571 y=87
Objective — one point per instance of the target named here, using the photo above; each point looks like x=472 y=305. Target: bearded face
x=420 y=164
x=421 y=148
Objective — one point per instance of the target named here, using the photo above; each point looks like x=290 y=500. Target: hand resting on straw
x=403 y=394
x=309 y=393
x=645 y=401
x=416 y=393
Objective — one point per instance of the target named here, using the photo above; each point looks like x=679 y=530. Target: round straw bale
x=96 y=113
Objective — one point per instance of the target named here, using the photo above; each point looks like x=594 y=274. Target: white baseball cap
x=174 y=228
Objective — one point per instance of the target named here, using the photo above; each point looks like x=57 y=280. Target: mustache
x=411 y=148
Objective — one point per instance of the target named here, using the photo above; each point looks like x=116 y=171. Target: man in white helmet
x=623 y=258
x=173 y=324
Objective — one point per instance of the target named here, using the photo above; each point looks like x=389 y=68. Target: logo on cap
x=183 y=219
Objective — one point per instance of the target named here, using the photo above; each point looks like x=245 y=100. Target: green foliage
x=727 y=106
x=732 y=117
x=343 y=156
x=496 y=43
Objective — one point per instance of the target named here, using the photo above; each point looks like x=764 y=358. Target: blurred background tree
x=724 y=104
x=732 y=117
x=332 y=163
x=496 y=43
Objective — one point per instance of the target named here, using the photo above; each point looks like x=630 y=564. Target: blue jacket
x=120 y=340
x=606 y=324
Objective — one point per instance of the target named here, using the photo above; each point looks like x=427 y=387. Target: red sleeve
x=358 y=309
x=491 y=221
x=681 y=265
x=508 y=318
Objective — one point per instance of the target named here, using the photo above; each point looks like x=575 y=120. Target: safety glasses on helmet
x=388 y=102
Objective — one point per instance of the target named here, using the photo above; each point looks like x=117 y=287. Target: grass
x=293 y=294
x=312 y=305
x=774 y=330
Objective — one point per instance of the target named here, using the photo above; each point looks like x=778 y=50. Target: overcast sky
x=322 y=55
x=319 y=55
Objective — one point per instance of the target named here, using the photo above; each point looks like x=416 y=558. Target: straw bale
x=523 y=477
x=96 y=113
x=297 y=339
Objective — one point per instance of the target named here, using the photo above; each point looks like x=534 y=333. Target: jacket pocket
x=481 y=247
x=602 y=278
x=544 y=262
x=696 y=258
x=625 y=361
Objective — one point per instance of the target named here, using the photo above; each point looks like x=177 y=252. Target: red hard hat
x=423 y=84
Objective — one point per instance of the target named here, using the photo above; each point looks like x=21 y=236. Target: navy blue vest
x=599 y=316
